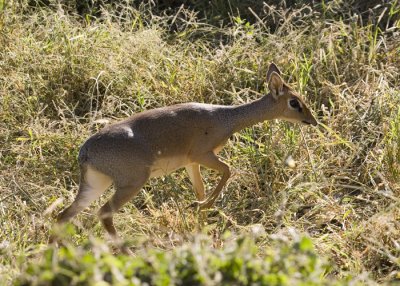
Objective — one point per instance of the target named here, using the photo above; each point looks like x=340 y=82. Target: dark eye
x=294 y=103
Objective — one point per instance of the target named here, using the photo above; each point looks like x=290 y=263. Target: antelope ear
x=275 y=85
x=272 y=68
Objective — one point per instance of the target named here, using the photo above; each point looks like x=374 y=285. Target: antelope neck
x=248 y=114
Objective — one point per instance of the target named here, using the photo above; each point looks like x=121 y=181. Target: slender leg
x=212 y=161
x=122 y=195
x=195 y=177
x=92 y=185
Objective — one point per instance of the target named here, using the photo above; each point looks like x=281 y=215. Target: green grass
x=63 y=74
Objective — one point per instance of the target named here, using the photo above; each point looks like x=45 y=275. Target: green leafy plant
x=240 y=262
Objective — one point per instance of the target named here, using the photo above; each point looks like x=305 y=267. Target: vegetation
x=288 y=263
x=68 y=69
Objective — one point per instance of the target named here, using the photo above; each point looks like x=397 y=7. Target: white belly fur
x=165 y=166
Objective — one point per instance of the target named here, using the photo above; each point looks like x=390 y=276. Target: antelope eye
x=294 y=103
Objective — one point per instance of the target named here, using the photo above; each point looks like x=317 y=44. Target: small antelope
x=158 y=141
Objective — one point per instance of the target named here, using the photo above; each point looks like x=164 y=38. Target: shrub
x=240 y=262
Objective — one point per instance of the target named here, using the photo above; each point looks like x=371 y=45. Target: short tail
x=83 y=154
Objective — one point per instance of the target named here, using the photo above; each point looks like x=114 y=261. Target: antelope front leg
x=212 y=161
x=193 y=171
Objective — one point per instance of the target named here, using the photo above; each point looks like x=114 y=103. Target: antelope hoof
x=200 y=205
x=125 y=250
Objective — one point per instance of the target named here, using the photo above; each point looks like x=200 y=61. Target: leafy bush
x=239 y=262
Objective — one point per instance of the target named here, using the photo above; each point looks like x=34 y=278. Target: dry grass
x=60 y=74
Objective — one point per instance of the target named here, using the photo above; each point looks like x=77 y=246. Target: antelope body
x=156 y=142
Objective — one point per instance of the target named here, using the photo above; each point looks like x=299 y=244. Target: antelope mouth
x=306 y=122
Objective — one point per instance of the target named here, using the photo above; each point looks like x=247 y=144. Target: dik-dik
x=158 y=141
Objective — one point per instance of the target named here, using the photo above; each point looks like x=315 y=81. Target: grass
x=62 y=75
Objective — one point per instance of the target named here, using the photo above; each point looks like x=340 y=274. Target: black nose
x=306 y=122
